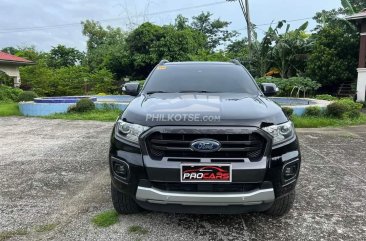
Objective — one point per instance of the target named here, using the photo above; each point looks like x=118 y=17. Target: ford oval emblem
x=205 y=145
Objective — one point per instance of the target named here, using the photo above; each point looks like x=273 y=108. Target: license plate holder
x=206 y=172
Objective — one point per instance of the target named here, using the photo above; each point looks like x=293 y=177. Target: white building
x=10 y=64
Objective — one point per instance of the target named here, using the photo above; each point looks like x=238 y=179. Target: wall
x=361 y=84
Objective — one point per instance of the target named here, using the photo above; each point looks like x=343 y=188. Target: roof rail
x=164 y=61
x=235 y=61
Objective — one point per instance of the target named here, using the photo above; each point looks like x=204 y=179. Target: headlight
x=128 y=131
x=281 y=132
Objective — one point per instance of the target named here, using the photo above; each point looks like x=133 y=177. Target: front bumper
x=269 y=170
x=153 y=195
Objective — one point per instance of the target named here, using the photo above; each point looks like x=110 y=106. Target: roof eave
x=16 y=62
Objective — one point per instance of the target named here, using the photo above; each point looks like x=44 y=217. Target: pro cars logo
x=206 y=173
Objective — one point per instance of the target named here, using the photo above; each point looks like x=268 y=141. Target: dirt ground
x=54 y=178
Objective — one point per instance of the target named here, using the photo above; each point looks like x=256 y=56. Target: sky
x=47 y=23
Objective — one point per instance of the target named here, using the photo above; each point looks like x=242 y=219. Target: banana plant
x=288 y=47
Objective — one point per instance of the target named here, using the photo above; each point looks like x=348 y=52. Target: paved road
x=54 y=172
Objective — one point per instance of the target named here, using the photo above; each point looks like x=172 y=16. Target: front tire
x=122 y=203
x=282 y=205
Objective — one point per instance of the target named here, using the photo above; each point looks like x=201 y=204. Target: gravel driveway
x=54 y=179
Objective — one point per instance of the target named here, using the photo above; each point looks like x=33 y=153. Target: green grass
x=97 y=115
x=9 y=109
x=105 y=219
x=10 y=234
x=322 y=121
x=45 y=228
x=137 y=229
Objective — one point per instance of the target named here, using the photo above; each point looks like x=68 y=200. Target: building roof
x=9 y=58
x=357 y=16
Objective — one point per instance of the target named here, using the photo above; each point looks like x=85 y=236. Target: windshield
x=210 y=78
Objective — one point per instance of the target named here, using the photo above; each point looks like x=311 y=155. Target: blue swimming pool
x=289 y=101
x=45 y=106
x=63 y=99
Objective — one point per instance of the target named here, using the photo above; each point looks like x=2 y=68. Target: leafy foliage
x=27 y=96
x=83 y=105
x=61 y=56
x=215 y=29
x=287 y=86
x=9 y=94
x=149 y=43
x=326 y=97
x=334 y=56
x=313 y=111
x=73 y=80
x=106 y=49
x=344 y=108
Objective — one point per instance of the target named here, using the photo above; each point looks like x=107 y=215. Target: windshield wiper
x=154 y=92
x=195 y=91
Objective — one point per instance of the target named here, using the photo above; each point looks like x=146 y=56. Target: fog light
x=121 y=169
x=290 y=171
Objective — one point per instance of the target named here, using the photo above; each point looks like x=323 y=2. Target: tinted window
x=201 y=77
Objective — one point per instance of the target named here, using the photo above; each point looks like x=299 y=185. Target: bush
x=313 y=111
x=9 y=94
x=72 y=109
x=288 y=111
x=344 y=108
x=287 y=85
x=336 y=110
x=83 y=105
x=326 y=97
x=27 y=96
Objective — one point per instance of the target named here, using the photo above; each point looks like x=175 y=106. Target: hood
x=203 y=109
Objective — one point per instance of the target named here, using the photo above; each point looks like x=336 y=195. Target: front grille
x=205 y=187
x=172 y=145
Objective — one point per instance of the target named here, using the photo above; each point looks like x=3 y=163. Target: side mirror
x=269 y=89
x=132 y=88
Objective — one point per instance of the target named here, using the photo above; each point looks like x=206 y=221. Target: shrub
x=84 y=105
x=288 y=111
x=27 y=96
x=326 y=97
x=287 y=85
x=313 y=111
x=336 y=110
x=344 y=108
x=72 y=109
x=9 y=94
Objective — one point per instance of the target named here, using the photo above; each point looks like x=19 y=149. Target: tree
x=181 y=22
x=10 y=50
x=289 y=47
x=61 y=56
x=215 y=29
x=95 y=33
x=30 y=53
x=336 y=45
x=149 y=43
x=106 y=48
x=334 y=56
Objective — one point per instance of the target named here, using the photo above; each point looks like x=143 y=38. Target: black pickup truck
x=202 y=137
